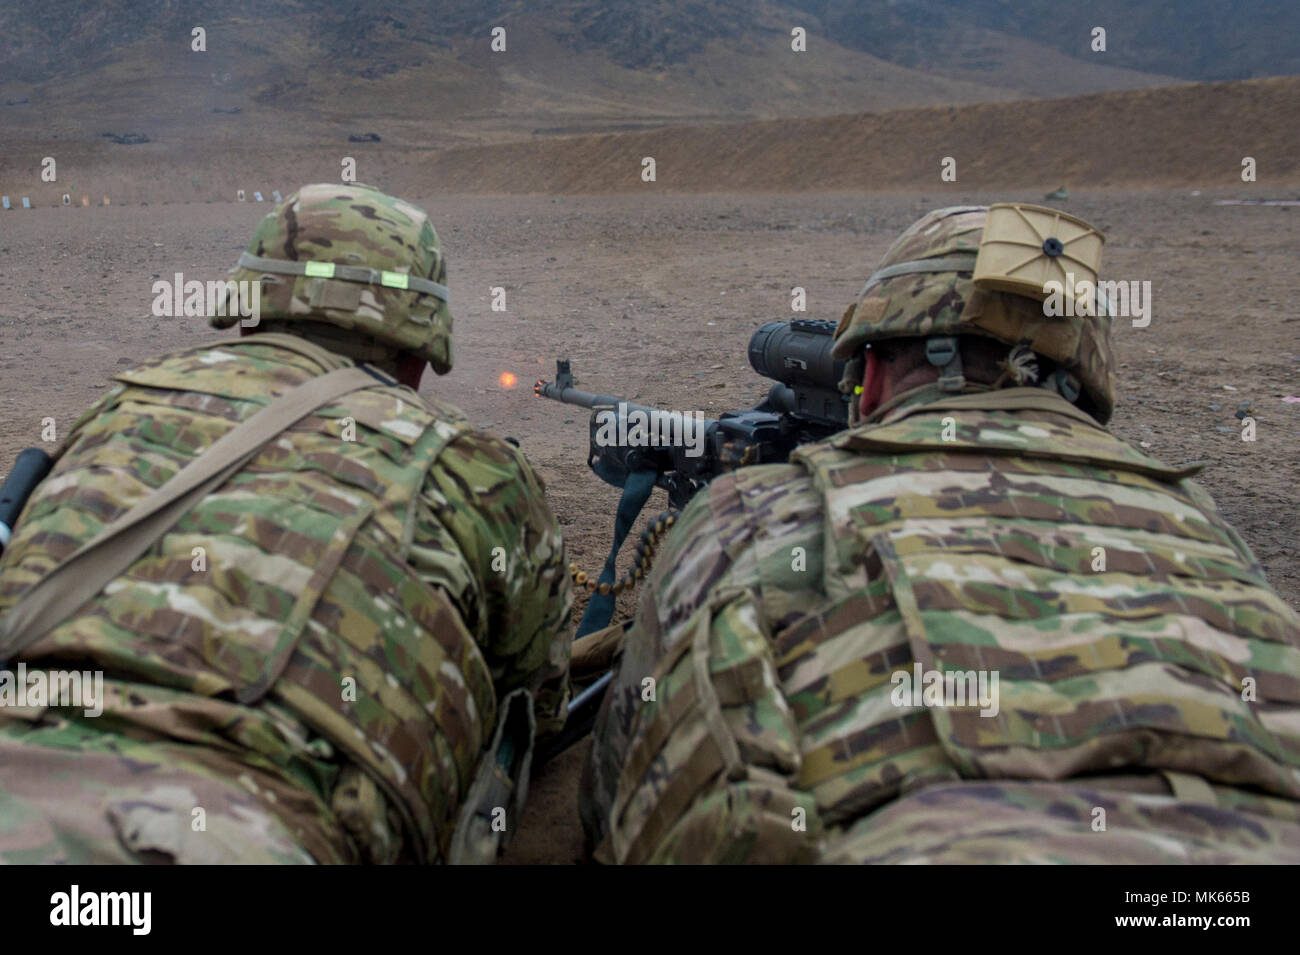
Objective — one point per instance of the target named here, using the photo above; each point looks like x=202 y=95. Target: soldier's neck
x=929 y=391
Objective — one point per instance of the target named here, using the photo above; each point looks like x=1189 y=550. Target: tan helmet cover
x=925 y=286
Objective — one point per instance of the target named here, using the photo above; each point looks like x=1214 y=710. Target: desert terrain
x=620 y=284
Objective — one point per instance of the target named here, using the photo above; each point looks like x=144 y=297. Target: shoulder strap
x=79 y=578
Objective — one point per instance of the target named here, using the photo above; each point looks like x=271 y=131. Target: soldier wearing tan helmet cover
x=339 y=655
x=972 y=627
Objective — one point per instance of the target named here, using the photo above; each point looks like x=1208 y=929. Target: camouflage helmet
x=924 y=287
x=348 y=255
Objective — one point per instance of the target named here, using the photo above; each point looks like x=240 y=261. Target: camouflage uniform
x=318 y=655
x=1149 y=679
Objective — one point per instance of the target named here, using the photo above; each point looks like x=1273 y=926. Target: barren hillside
x=1190 y=135
x=303 y=74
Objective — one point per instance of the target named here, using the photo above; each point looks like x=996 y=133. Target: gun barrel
x=572 y=396
x=562 y=389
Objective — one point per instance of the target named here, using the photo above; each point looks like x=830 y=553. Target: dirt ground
x=655 y=298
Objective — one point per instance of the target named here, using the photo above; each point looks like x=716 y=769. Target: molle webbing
x=116 y=547
x=1119 y=616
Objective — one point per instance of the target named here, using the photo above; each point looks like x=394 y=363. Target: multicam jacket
x=361 y=596
x=756 y=713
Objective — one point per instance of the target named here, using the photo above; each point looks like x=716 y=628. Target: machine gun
x=804 y=405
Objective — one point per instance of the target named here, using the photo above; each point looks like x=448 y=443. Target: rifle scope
x=796 y=353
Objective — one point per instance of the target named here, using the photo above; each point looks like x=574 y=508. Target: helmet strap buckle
x=943 y=352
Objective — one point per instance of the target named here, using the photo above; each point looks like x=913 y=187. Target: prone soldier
x=326 y=611
x=972 y=627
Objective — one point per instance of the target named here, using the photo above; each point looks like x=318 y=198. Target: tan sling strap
x=79 y=578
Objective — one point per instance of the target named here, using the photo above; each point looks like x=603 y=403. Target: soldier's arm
x=485 y=534
x=758 y=530
x=23 y=568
